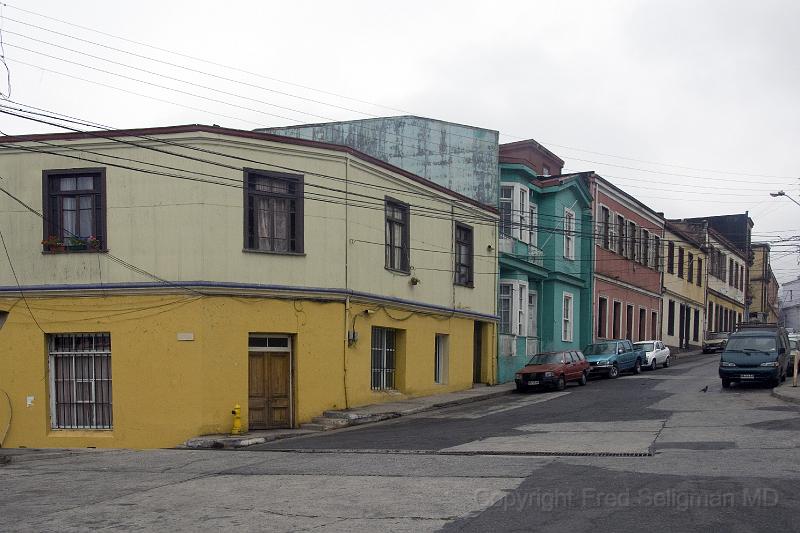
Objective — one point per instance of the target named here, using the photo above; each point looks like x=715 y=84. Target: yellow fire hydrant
x=237 y=420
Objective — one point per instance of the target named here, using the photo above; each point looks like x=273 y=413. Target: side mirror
x=620 y=350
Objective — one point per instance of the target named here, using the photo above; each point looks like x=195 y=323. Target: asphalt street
x=656 y=451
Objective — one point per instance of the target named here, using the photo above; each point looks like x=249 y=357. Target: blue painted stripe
x=245 y=286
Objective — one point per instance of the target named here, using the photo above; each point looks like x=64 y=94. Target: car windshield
x=752 y=344
x=717 y=336
x=546 y=359
x=646 y=346
x=600 y=348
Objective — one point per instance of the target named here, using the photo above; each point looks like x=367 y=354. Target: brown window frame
x=689 y=267
x=52 y=205
x=468 y=280
x=296 y=228
x=680 y=262
x=405 y=244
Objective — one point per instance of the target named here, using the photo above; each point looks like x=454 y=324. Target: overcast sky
x=698 y=99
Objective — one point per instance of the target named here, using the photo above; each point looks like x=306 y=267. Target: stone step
x=331 y=422
x=314 y=427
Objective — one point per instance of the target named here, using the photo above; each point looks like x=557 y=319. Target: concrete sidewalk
x=355 y=416
x=787 y=393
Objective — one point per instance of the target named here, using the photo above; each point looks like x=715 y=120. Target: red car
x=553 y=370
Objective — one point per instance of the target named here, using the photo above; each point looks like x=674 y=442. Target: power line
x=172 y=64
x=446 y=214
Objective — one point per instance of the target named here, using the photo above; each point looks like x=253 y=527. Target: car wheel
x=583 y=379
x=726 y=383
x=637 y=367
x=522 y=388
x=613 y=372
x=666 y=362
x=562 y=383
x=653 y=364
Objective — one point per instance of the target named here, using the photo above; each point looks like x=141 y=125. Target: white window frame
x=520 y=215
x=533 y=313
x=567 y=317
x=522 y=309
x=533 y=233
x=569 y=234
x=510 y=298
x=523 y=198
x=507 y=197
x=519 y=307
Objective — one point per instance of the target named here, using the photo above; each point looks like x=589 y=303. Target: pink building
x=627 y=264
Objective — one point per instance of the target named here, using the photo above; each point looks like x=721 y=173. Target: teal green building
x=546 y=247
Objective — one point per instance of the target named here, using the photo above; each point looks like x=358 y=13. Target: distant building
x=790 y=304
x=763 y=286
x=685 y=282
x=627 y=263
x=737 y=230
x=461 y=158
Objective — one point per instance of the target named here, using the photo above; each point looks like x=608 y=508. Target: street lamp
x=782 y=193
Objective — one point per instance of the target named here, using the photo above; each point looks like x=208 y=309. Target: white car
x=655 y=352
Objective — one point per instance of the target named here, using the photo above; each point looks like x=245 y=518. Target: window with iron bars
x=80 y=381
x=384 y=351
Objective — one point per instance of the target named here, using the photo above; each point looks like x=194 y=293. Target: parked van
x=755 y=353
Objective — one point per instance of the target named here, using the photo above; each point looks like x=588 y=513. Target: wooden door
x=269 y=397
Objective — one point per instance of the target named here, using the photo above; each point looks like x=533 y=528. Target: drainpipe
x=345 y=345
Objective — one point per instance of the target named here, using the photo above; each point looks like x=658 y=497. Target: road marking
x=471 y=413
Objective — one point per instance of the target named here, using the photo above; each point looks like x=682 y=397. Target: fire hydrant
x=237 y=420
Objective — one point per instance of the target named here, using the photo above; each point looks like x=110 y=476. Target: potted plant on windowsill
x=77 y=244
x=53 y=244
x=94 y=243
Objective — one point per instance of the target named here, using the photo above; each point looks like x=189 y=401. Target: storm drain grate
x=461 y=453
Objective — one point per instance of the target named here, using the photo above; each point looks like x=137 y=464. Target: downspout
x=346 y=344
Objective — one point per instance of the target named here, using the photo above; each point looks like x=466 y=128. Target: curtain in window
x=272 y=223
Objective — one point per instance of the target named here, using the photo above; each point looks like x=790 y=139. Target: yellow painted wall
x=166 y=391
x=681 y=291
x=716 y=300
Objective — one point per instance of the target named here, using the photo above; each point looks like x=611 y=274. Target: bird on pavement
x=704 y=389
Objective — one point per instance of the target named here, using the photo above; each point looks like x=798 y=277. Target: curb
x=353 y=419
x=785 y=397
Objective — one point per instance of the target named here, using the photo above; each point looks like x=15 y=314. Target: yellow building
x=185 y=270
x=685 y=280
x=763 y=286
